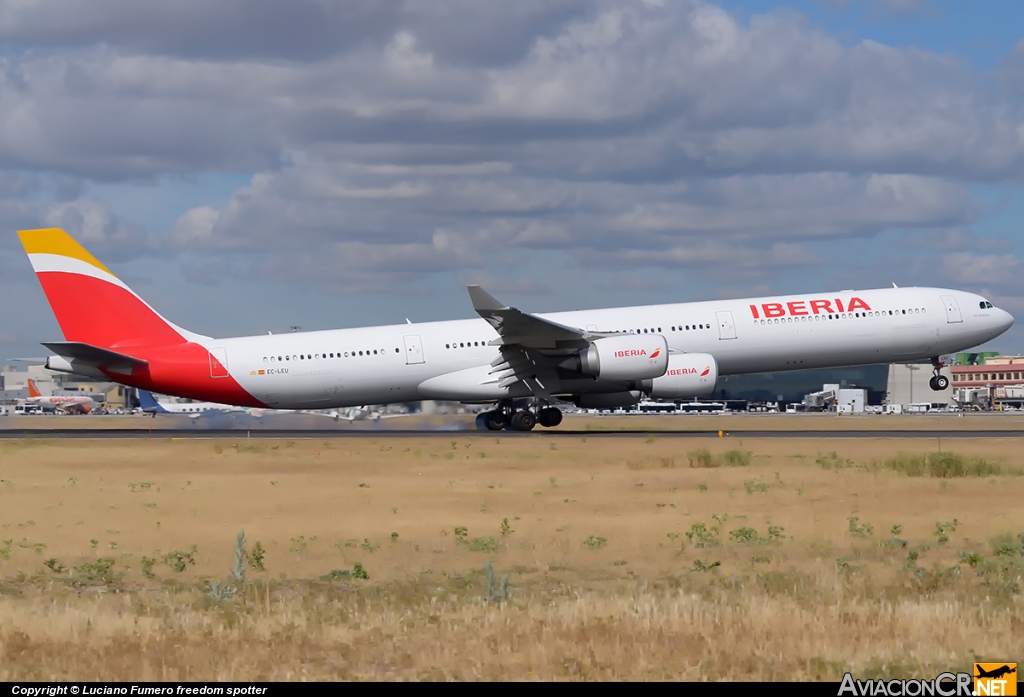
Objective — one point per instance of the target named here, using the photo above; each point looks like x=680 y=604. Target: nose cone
x=1005 y=320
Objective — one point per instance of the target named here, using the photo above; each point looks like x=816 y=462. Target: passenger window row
x=320 y=356
x=845 y=315
x=657 y=330
x=643 y=330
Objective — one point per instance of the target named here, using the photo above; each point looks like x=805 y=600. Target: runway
x=293 y=434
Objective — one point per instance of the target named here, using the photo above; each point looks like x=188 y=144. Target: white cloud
x=195 y=227
x=977 y=269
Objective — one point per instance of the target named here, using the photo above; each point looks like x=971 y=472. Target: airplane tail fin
x=90 y=303
x=148 y=403
x=33 y=391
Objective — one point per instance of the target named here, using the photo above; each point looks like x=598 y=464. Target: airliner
x=522 y=363
x=151 y=405
x=75 y=404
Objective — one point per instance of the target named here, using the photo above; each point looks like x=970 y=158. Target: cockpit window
x=985 y=304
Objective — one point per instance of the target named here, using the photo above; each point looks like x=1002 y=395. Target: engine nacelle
x=625 y=358
x=609 y=400
x=59 y=364
x=688 y=375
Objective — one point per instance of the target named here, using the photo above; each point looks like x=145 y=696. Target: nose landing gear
x=938 y=381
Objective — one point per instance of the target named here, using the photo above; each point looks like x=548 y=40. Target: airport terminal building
x=993 y=371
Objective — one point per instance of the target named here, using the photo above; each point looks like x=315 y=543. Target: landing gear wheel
x=939 y=382
x=523 y=420
x=495 y=420
x=549 y=417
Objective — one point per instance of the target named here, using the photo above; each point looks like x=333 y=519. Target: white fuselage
x=195 y=407
x=377 y=365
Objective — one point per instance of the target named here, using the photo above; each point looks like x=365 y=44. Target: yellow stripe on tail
x=56 y=241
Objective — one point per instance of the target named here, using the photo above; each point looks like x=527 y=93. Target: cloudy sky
x=249 y=165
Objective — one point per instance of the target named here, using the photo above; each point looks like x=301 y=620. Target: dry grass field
x=630 y=557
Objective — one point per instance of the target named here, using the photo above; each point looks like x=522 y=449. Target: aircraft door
x=952 y=309
x=219 y=363
x=726 y=326
x=413 y=349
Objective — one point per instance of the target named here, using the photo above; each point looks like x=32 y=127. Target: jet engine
x=610 y=400
x=625 y=358
x=688 y=375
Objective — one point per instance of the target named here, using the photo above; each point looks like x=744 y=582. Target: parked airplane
x=151 y=405
x=592 y=358
x=74 y=404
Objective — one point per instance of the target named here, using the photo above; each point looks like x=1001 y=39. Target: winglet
x=484 y=301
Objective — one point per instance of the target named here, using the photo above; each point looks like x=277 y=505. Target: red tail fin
x=91 y=304
x=33 y=391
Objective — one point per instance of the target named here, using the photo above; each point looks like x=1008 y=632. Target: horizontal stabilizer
x=94 y=356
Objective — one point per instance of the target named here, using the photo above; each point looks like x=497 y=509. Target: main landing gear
x=938 y=382
x=505 y=416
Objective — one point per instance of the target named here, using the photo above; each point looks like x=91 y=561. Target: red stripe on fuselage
x=100 y=313
x=183 y=370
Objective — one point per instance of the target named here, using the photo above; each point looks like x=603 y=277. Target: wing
x=519 y=328
x=530 y=346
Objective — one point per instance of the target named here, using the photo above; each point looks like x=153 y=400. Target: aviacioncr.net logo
x=943 y=685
